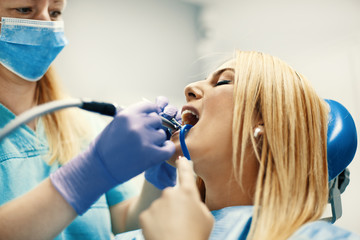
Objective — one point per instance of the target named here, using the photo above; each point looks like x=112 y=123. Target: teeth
x=189 y=117
x=189 y=112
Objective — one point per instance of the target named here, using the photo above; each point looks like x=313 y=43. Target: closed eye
x=222 y=82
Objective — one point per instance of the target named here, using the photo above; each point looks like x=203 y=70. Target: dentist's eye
x=222 y=82
x=24 y=10
x=55 y=14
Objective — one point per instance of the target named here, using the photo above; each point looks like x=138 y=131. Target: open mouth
x=189 y=117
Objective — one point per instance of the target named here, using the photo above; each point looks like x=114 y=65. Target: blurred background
x=125 y=50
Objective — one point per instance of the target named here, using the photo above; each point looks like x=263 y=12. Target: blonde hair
x=64 y=129
x=292 y=182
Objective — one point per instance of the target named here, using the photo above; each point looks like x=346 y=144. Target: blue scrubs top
x=22 y=167
x=233 y=223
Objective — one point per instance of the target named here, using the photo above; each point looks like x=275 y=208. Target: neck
x=225 y=194
x=17 y=94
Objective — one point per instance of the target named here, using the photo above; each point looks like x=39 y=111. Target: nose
x=42 y=12
x=193 y=91
x=43 y=15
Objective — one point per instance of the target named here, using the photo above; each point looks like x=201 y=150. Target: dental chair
x=341 y=148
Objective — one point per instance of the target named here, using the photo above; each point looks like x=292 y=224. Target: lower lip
x=175 y=133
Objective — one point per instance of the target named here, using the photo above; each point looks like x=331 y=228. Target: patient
x=258 y=147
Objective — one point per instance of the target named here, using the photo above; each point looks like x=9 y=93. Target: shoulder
x=83 y=126
x=323 y=230
x=122 y=192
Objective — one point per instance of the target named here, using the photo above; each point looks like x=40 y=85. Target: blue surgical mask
x=28 y=47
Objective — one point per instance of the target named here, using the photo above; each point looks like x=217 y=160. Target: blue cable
x=183 y=131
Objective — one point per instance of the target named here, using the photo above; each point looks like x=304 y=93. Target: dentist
x=41 y=167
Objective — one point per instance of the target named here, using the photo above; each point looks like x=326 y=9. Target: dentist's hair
x=65 y=130
x=292 y=182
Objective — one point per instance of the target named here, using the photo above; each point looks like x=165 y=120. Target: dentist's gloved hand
x=168 y=111
x=163 y=174
x=131 y=143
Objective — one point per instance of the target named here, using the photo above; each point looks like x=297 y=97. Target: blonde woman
x=258 y=147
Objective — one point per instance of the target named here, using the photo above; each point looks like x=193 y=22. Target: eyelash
x=222 y=82
x=27 y=10
x=55 y=14
x=24 y=10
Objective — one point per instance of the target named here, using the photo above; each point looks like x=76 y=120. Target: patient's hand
x=179 y=212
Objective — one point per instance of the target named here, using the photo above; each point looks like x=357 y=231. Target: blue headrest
x=341 y=139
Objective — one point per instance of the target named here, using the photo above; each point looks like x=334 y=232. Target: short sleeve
x=122 y=192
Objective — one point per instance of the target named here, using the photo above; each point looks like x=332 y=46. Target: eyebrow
x=59 y=2
x=25 y=2
x=219 y=72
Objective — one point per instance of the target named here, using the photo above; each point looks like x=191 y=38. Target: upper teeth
x=187 y=112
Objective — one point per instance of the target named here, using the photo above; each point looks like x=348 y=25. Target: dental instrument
x=108 y=109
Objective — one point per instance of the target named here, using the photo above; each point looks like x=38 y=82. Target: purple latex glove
x=131 y=143
x=163 y=174
x=168 y=111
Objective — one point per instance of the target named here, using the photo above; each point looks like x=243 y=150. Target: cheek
x=210 y=142
x=219 y=142
x=213 y=133
x=211 y=138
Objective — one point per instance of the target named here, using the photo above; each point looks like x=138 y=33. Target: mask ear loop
x=183 y=131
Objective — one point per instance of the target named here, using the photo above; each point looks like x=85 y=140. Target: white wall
x=321 y=39
x=121 y=51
